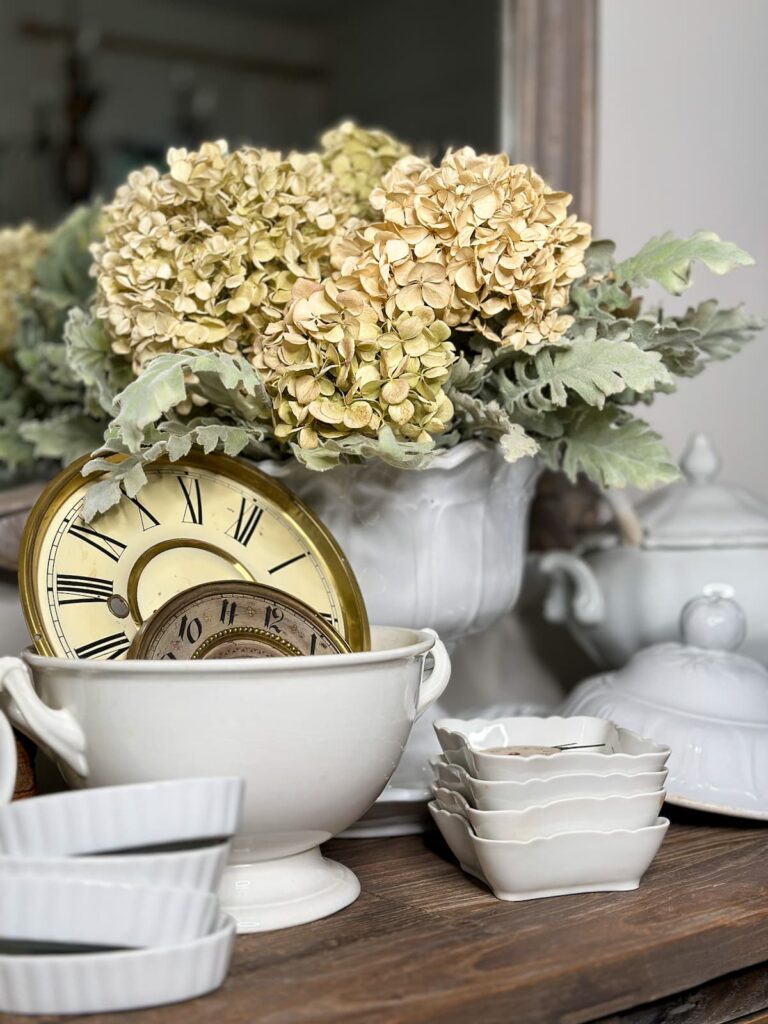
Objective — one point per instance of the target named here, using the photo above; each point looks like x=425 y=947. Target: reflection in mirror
x=92 y=90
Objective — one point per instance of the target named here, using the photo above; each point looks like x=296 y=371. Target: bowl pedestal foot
x=263 y=896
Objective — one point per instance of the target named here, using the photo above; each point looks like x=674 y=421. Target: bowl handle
x=56 y=729
x=435 y=682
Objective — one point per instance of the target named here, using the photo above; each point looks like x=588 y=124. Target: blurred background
x=652 y=113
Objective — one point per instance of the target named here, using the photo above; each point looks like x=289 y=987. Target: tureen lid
x=702 y=675
x=698 y=511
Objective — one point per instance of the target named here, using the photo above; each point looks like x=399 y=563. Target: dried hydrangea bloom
x=207 y=253
x=486 y=244
x=20 y=249
x=358 y=159
x=335 y=368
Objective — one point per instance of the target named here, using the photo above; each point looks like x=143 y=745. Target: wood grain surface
x=425 y=943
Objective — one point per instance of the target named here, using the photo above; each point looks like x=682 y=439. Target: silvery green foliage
x=147 y=424
x=573 y=399
x=66 y=392
x=48 y=415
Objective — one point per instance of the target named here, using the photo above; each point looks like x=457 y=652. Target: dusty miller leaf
x=722 y=333
x=490 y=420
x=669 y=260
x=385 y=447
x=162 y=386
x=92 y=360
x=592 y=368
x=615 y=451
x=64 y=436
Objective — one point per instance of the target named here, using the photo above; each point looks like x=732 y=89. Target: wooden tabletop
x=426 y=943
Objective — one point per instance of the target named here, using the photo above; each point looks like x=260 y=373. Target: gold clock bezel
x=180 y=602
x=70 y=480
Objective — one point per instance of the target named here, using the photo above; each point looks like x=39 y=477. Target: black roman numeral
x=289 y=561
x=145 y=516
x=108 y=546
x=247 y=521
x=193 y=510
x=108 y=647
x=82 y=589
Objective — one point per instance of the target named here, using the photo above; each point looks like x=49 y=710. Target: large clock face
x=87 y=587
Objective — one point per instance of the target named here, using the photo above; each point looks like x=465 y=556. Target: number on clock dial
x=94 y=571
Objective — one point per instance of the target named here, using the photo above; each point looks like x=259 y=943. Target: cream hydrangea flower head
x=20 y=249
x=207 y=253
x=335 y=368
x=358 y=158
x=486 y=244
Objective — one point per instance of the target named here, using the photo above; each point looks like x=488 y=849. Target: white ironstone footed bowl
x=316 y=740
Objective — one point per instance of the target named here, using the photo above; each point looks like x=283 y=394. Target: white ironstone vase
x=442 y=547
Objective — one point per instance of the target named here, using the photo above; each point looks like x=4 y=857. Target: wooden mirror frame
x=548 y=92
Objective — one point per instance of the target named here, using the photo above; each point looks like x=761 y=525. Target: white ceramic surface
x=710 y=705
x=557 y=865
x=315 y=738
x=601 y=814
x=199 y=869
x=698 y=537
x=444 y=545
x=399 y=530
x=122 y=817
x=515 y=796
x=467 y=744
x=75 y=912
x=107 y=982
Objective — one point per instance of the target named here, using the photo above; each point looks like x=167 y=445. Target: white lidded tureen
x=709 y=704
x=624 y=587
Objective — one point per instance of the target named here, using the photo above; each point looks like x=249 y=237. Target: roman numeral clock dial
x=87 y=587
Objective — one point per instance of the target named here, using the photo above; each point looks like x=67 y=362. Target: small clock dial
x=234 y=620
x=87 y=587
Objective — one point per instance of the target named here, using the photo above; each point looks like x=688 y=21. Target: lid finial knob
x=714 y=622
x=700 y=461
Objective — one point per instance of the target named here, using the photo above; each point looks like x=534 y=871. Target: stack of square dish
x=538 y=807
x=107 y=896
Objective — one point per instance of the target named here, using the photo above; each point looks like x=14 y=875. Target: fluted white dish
x=117 y=818
x=127 y=980
x=199 y=869
x=601 y=814
x=468 y=744
x=556 y=865
x=76 y=912
x=516 y=796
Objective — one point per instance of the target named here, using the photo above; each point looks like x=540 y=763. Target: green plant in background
x=355 y=303
x=46 y=412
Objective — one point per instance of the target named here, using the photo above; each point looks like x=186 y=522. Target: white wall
x=684 y=145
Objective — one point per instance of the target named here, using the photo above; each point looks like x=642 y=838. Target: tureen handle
x=435 y=682
x=55 y=728
x=586 y=604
